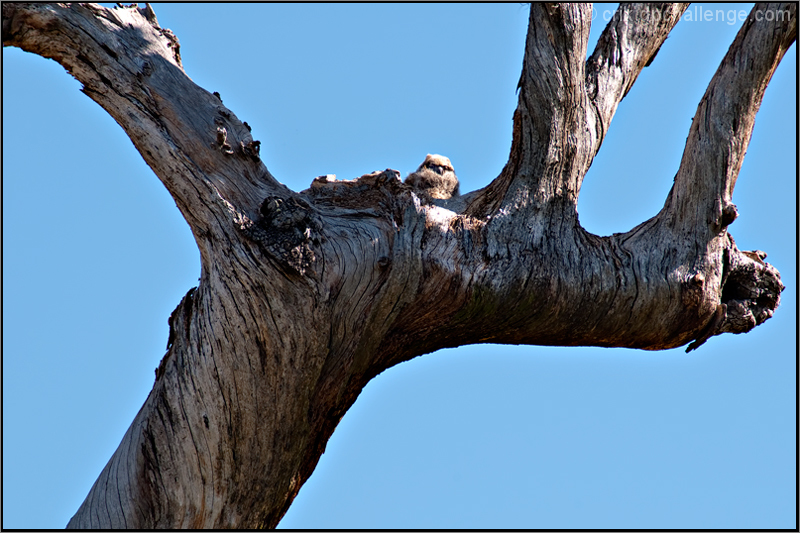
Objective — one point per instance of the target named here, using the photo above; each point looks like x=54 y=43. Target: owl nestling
x=435 y=177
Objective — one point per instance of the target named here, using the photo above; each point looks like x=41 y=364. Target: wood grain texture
x=304 y=297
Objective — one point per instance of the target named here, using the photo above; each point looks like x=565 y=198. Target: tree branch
x=304 y=297
x=551 y=115
x=629 y=43
x=565 y=104
x=700 y=200
x=128 y=64
x=725 y=117
x=533 y=201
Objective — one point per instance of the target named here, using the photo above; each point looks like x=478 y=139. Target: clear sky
x=96 y=256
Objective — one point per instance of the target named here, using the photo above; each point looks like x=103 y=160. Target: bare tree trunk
x=304 y=297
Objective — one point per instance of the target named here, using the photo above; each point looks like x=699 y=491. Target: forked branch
x=304 y=297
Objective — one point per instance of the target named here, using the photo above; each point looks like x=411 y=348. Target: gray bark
x=305 y=297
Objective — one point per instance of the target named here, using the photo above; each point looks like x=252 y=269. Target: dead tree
x=304 y=297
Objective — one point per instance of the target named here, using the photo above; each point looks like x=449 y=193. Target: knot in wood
x=222 y=141
x=287 y=229
x=172 y=41
x=252 y=149
x=729 y=214
x=692 y=291
x=751 y=290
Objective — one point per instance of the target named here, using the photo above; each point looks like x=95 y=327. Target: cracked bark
x=304 y=297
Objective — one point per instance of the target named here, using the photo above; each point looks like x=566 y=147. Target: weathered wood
x=304 y=297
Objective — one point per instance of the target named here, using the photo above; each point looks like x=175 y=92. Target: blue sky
x=96 y=256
